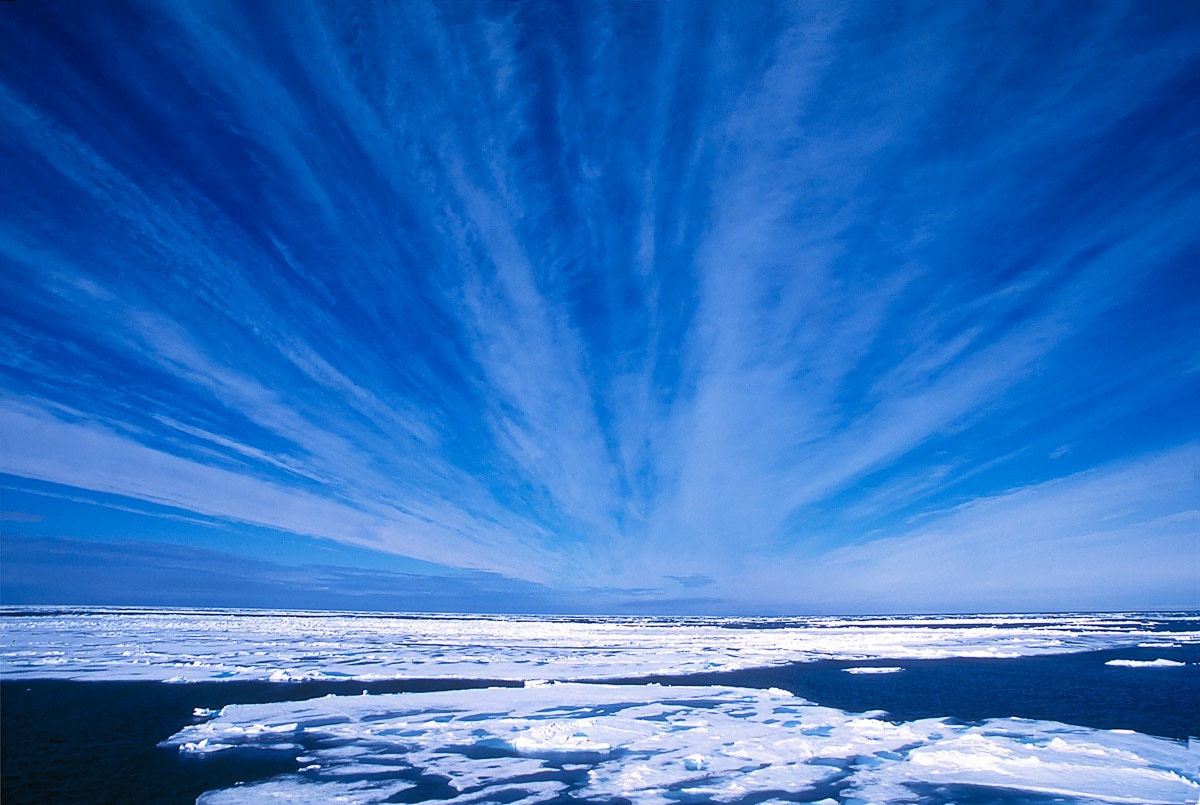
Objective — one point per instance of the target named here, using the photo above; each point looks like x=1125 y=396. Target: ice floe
x=1159 y=663
x=197 y=645
x=654 y=744
x=874 y=669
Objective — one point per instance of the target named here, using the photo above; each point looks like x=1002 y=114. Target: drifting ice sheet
x=186 y=646
x=661 y=745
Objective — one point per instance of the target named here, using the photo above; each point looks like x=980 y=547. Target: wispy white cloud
x=44 y=447
x=653 y=294
x=814 y=368
x=1125 y=535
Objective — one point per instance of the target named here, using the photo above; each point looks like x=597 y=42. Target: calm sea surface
x=96 y=742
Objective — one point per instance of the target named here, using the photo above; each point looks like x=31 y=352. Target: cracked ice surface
x=651 y=744
x=196 y=645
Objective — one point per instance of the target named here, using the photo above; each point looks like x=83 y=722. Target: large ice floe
x=574 y=742
x=197 y=645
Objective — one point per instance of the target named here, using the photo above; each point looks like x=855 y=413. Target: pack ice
x=197 y=645
x=573 y=742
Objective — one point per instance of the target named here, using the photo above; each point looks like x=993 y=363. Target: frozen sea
x=247 y=706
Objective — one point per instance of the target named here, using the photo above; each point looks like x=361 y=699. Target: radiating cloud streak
x=1095 y=540
x=621 y=296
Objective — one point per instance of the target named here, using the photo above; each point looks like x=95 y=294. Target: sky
x=713 y=308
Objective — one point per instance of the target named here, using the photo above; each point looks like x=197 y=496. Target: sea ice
x=198 y=645
x=660 y=745
x=645 y=743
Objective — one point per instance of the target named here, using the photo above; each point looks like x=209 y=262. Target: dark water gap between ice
x=1078 y=688
x=73 y=742
x=97 y=742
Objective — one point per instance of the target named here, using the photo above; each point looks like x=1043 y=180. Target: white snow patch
x=301 y=791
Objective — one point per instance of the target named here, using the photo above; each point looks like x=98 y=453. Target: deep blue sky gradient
x=624 y=307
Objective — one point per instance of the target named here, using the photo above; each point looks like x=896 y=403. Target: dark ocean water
x=96 y=742
x=1071 y=688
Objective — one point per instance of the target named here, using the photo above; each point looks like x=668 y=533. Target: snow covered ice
x=652 y=744
x=566 y=737
x=198 y=645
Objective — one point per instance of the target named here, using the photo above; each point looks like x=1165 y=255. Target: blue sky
x=635 y=307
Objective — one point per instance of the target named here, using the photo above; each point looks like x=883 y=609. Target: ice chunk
x=1159 y=663
x=298 y=790
x=872 y=669
x=1039 y=758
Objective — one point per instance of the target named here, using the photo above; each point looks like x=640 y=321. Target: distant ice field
x=198 y=645
x=744 y=711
